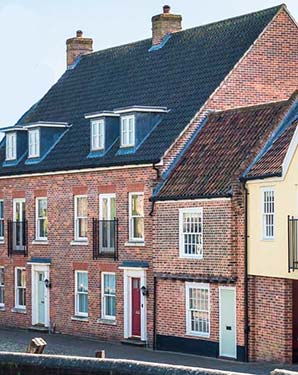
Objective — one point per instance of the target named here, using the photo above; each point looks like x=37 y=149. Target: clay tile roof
x=270 y=164
x=222 y=151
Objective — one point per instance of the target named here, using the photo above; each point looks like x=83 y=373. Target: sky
x=34 y=33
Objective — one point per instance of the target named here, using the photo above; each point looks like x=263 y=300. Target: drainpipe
x=154 y=311
x=246 y=295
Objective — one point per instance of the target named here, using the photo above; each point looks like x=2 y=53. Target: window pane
x=83 y=303
x=83 y=225
x=109 y=284
x=82 y=206
x=137 y=204
x=82 y=282
x=110 y=306
x=138 y=227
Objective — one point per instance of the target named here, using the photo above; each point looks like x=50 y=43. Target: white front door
x=40 y=295
x=227 y=322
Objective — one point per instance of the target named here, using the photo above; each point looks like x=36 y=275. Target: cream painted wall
x=270 y=257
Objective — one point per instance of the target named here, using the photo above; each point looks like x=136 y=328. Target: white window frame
x=192 y=210
x=127 y=131
x=37 y=218
x=11 y=146
x=2 y=219
x=103 y=295
x=131 y=237
x=97 y=135
x=189 y=331
x=33 y=143
x=77 y=312
x=76 y=221
x=2 y=286
x=17 y=305
x=266 y=214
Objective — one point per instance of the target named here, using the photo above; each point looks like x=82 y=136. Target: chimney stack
x=164 y=24
x=76 y=47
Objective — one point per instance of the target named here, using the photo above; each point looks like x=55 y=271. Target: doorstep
x=133 y=341
x=38 y=328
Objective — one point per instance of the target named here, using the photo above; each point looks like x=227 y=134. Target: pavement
x=17 y=340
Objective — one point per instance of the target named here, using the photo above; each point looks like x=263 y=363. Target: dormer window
x=128 y=131
x=97 y=135
x=11 y=146
x=33 y=143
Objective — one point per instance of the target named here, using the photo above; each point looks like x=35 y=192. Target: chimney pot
x=166 y=9
x=164 y=24
x=77 y=46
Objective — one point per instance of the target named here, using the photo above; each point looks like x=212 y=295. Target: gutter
x=154 y=312
x=187 y=197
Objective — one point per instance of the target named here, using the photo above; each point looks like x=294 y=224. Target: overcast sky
x=34 y=33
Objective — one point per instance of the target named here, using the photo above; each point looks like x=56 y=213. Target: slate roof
x=180 y=76
x=270 y=164
x=222 y=151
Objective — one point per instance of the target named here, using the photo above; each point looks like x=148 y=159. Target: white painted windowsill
x=110 y=322
x=2 y=308
x=40 y=242
x=134 y=244
x=79 y=243
x=18 y=310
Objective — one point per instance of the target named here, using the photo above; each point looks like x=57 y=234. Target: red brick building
x=85 y=248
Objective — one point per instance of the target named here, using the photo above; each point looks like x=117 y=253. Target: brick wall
x=217 y=219
x=267 y=73
x=270 y=319
x=66 y=258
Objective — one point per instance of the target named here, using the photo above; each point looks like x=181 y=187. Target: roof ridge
x=207 y=25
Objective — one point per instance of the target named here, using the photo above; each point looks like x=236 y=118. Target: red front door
x=136 y=306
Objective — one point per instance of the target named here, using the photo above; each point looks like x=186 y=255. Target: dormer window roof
x=97 y=134
x=11 y=146
x=33 y=143
x=127 y=131
x=142 y=108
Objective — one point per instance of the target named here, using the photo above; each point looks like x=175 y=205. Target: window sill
x=79 y=243
x=40 y=242
x=19 y=310
x=80 y=318
x=1 y=242
x=110 y=322
x=134 y=244
x=2 y=308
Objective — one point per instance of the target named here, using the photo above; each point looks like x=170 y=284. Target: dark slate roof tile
x=180 y=76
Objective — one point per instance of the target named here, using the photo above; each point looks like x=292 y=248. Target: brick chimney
x=76 y=47
x=165 y=23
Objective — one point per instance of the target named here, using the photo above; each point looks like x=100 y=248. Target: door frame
x=220 y=330
x=128 y=274
x=35 y=269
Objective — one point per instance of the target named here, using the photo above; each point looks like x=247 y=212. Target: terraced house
x=103 y=233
